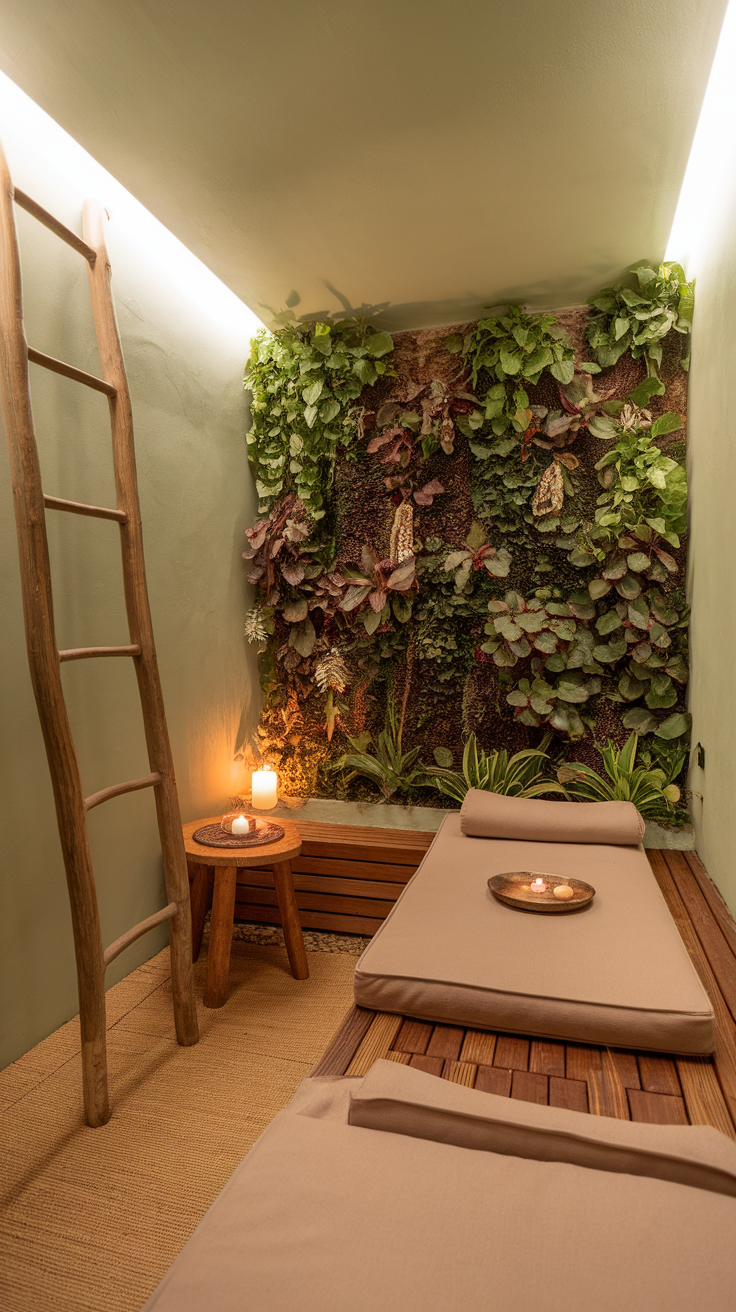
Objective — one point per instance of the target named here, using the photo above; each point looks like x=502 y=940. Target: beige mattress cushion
x=322 y=1216
x=614 y=973
x=490 y=815
x=406 y=1101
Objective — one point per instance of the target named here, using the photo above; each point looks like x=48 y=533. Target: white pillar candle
x=240 y=825
x=264 y=785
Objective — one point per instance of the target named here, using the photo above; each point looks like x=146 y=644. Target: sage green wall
x=185 y=339
x=705 y=235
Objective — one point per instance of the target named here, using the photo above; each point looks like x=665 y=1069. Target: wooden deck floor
x=636 y=1086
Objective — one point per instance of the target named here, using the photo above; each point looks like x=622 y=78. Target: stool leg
x=201 y=885
x=221 y=936
x=290 y=919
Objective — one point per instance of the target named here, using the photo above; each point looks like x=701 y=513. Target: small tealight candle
x=240 y=825
x=538 y=885
x=563 y=892
x=265 y=788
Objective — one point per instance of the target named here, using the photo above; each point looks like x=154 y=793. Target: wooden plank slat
x=581 y=1061
x=512 y=1052
x=571 y=1094
x=657 y=1108
x=342 y=1046
x=405 y=847
x=403 y=1058
x=339 y=906
x=659 y=1074
x=724 y=1057
x=714 y=943
x=606 y=1092
x=413 y=1036
x=702 y=1093
x=363 y=925
x=323 y=884
x=445 y=1042
x=432 y=1065
x=714 y=898
x=626 y=1067
x=460 y=1072
x=478 y=1047
x=377 y=1042
x=547 y=1058
x=529 y=1086
x=491 y=1079
x=341 y=868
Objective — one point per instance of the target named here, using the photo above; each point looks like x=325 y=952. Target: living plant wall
x=471 y=539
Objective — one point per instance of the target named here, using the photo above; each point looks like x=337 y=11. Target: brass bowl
x=512 y=888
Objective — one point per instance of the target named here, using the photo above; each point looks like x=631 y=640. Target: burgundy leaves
x=277 y=555
x=375 y=580
x=411 y=429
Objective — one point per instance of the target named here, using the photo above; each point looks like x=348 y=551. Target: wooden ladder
x=45 y=659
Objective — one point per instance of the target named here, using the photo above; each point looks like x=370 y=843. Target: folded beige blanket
x=489 y=815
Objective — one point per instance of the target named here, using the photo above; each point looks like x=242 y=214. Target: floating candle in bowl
x=538 y=885
x=265 y=788
x=237 y=823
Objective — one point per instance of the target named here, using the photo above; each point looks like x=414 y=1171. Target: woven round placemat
x=213 y=836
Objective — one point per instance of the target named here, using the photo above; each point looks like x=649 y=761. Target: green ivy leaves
x=637 y=318
x=305 y=380
x=514 y=348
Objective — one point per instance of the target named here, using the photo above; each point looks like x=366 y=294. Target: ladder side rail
x=44 y=664
x=140 y=625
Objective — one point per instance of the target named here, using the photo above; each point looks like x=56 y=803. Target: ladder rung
x=125 y=940
x=79 y=508
x=104 y=794
x=68 y=370
x=48 y=220
x=79 y=653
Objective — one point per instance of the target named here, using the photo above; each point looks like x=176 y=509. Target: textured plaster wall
x=705 y=232
x=185 y=339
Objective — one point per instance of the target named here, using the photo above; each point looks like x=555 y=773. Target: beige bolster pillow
x=402 y=1100
x=489 y=815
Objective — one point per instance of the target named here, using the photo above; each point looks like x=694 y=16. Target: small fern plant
x=521 y=775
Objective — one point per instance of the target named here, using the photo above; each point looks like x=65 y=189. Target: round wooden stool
x=213 y=873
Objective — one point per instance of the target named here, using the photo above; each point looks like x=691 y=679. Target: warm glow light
x=55 y=170
x=711 y=160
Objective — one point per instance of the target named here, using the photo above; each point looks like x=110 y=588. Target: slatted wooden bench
x=346 y=879
x=629 y=1085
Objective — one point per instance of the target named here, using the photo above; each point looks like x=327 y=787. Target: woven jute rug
x=92 y=1219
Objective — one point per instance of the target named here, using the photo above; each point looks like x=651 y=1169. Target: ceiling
x=430 y=158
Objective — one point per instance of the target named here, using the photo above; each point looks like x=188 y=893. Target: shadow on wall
x=416 y=315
